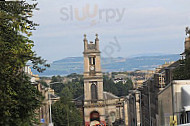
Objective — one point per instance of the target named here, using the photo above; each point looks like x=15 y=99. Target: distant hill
x=75 y=64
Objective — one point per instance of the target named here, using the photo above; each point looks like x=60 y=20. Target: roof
x=173 y=65
x=106 y=95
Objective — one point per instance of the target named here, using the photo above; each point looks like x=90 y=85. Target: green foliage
x=75 y=87
x=19 y=98
x=57 y=78
x=43 y=83
x=65 y=113
x=74 y=75
x=15 y=29
x=183 y=71
x=118 y=89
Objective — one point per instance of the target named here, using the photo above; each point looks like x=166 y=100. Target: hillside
x=75 y=64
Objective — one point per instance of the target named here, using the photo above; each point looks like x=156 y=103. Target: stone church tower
x=93 y=80
x=93 y=83
x=98 y=106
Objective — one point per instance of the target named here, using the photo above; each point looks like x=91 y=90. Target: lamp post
x=50 y=114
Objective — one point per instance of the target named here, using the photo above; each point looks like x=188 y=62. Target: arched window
x=112 y=115
x=94 y=95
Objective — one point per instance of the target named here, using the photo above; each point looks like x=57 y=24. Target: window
x=94 y=95
x=188 y=116
x=112 y=114
x=92 y=60
x=185 y=117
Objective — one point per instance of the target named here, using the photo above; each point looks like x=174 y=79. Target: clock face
x=91 y=67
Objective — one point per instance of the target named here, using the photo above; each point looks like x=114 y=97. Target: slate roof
x=107 y=96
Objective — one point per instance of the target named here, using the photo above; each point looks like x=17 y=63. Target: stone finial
x=96 y=36
x=85 y=36
x=97 y=42
x=187 y=30
x=85 y=43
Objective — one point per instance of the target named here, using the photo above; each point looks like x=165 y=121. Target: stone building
x=173 y=100
x=98 y=107
x=156 y=95
x=43 y=113
x=134 y=108
x=174 y=103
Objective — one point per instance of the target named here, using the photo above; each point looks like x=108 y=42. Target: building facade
x=174 y=103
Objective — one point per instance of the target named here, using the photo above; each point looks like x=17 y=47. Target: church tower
x=93 y=83
x=99 y=107
x=93 y=80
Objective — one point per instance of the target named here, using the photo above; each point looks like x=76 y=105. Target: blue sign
x=42 y=120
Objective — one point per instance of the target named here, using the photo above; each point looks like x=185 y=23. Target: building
x=160 y=101
x=43 y=113
x=134 y=108
x=98 y=107
x=173 y=100
x=33 y=78
x=174 y=103
x=140 y=76
x=120 y=78
x=143 y=100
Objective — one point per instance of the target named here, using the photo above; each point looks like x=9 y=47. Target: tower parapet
x=97 y=42
x=92 y=46
x=85 y=43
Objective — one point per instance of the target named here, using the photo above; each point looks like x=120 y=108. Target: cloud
x=145 y=22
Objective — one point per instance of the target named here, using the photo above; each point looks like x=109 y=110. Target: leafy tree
x=75 y=86
x=66 y=93
x=109 y=85
x=65 y=113
x=119 y=88
x=19 y=98
x=43 y=83
x=56 y=78
x=183 y=71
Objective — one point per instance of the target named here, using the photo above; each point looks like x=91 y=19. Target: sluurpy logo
x=91 y=13
x=112 y=47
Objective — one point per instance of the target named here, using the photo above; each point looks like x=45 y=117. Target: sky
x=125 y=27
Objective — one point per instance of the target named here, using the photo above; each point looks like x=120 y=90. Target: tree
x=119 y=88
x=19 y=98
x=75 y=86
x=183 y=71
x=56 y=78
x=65 y=112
